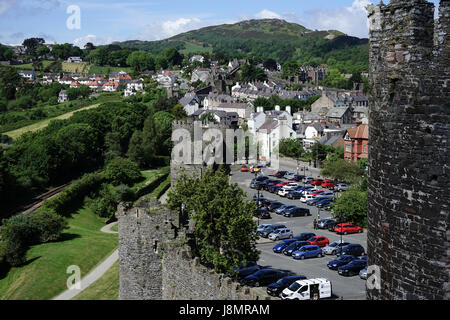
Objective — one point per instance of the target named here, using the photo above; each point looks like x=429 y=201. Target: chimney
x=277 y=108
x=260 y=109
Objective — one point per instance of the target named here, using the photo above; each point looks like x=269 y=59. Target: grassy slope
x=105 y=288
x=45 y=276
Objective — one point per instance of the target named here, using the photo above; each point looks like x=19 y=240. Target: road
x=346 y=288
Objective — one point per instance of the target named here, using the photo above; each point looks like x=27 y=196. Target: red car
x=328 y=184
x=244 y=169
x=319 y=241
x=284 y=183
x=316 y=193
x=346 y=228
x=316 y=182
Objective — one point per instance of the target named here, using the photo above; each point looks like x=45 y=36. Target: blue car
x=294 y=247
x=280 y=246
x=305 y=252
x=305 y=236
x=352 y=268
x=341 y=261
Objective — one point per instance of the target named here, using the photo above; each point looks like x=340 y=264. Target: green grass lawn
x=105 y=288
x=44 y=275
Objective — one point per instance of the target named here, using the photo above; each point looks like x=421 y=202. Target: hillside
x=269 y=38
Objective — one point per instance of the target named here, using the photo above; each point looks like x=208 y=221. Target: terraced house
x=356 y=142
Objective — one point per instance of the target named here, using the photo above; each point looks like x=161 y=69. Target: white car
x=280 y=234
x=291 y=186
x=333 y=247
x=306 y=198
x=283 y=192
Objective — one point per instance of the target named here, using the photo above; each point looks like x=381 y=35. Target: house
x=214 y=99
x=356 y=141
x=197 y=58
x=339 y=116
x=190 y=102
x=222 y=117
x=62 y=97
x=136 y=85
x=112 y=86
x=75 y=60
x=66 y=80
x=244 y=110
x=27 y=75
x=312 y=134
x=256 y=120
x=75 y=85
x=269 y=135
x=202 y=74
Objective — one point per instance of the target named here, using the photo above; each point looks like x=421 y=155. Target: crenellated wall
x=408 y=190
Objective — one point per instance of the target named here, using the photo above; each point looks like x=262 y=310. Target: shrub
x=49 y=225
x=17 y=233
x=122 y=171
x=125 y=193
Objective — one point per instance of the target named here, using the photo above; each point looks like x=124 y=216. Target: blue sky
x=105 y=21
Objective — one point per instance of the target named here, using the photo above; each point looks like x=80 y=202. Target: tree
x=225 y=233
x=122 y=171
x=141 y=61
x=17 y=233
x=251 y=73
x=178 y=112
x=173 y=56
x=352 y=206
x=270 y=64
x=89 y=46
x=48 y=224
x=342 y=170
x=31 y=45
x=42 y=51
x=291 y=148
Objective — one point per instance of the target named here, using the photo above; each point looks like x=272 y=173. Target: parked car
x=296 y=212
x=294 y=195
x=244 y=169
x=259 y=201
x=331 y=225
x=262 y=213
x=335 y=247
x=269 y=229
x=264 y=277
x=261 y=227
x=261 y=178
x=283 y=192
x=322 y=223
x=274 y=205
x=317 y=192
x=341 y=261
x=304 y=236
x=280 y=174
x=275 y=289
x=280 y=234
x=295 y=246
x=305 y=198
x=308 y=179
x=346 y=228
x=274 y=189
x=280 y=246
x=314 y=201
x=352 y=249
x=320 y=241
x=246 y=269
x=325 y=203
x=289 y=176
x=316 y=182
x=298 y=177
x=340 y=187
x=269 y=183
x=283 y=208
x=329 y=184
x=352 y=268
x=257 y=185
x=310 y=251
x=363 y=274
x=313 y=289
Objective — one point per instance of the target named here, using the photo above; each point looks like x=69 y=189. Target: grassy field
x=29 y=66
x=193 y=48
x=105 y=288
x=71 y=67
x=44 y=123
x=44 y=275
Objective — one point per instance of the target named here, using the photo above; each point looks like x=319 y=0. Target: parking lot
x=343 y=287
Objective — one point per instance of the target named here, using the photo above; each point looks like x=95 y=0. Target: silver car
x=280 y=234
x=334 y=247
x=289 y=176
x=340 y=187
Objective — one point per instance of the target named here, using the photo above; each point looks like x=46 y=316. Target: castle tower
x=408 y=191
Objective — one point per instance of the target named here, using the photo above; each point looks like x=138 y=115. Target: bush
x=17 y=233
x=105 y=204
x=49 y=225
x=125 y=193
x=122 y=171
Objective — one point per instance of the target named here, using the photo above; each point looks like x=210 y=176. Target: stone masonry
x=408 y=218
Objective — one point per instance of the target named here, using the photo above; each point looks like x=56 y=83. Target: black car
x=316 y=200
x=304 y=236
x=261 y=178
x=259 y=201
x=353 y=249
x=280 y=174
x=294 y=247
x=274 y=189
x=246 y=269
x=331 y=225
x=341 y=261
x=269 y=183
x=294 y=195
x=269 y=229
x=296 y=212
x=298 y=177
x=352 y=268
x=325 y=203
x=274 y=205
x=262 y=213
x=325 y=223
x=264 y=277
x=274 y=289
x=256 y=185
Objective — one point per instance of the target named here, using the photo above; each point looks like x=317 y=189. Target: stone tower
x=408 y=218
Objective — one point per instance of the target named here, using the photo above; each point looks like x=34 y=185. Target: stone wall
x=408 y=190
x=156 y=263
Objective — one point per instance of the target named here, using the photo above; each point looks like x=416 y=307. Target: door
x=303 y=293
x=314 y=292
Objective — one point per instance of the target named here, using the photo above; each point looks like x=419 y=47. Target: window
x=348 y=148
x=365 y=148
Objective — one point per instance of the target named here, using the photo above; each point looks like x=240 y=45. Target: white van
x=313 y=289
x=306 y=198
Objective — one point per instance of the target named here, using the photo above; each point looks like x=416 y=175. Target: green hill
x=269 y=38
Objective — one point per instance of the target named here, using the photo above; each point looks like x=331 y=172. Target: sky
x=105 y=21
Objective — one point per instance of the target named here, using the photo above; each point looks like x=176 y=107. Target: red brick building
x=356 y=143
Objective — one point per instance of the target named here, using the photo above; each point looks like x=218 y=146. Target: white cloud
x=170 y=28
x=267 y=14
x=81 y=42
x=350 y=20
x=5 y=5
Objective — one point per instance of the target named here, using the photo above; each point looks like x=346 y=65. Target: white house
x=75 y=60
x=270 y=134
x=27 y=75
x=190 y=102
x=244 y=110
x=63 y=96
x=197 y=58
